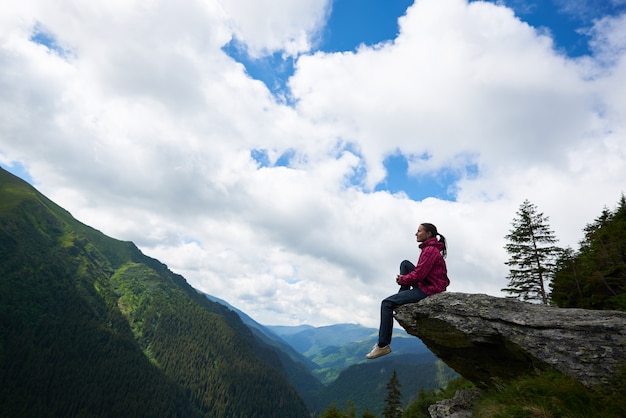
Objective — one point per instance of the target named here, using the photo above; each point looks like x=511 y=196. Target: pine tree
x=332 y=412
x=393 y=401
x=533 y=255
x=594 y=277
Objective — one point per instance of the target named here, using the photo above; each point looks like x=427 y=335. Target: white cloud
x=468 y=79
x=144 y=129
x=267 y=26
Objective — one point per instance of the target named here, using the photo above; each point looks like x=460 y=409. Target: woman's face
x=422 y=234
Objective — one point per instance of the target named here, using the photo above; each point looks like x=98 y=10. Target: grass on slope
x=546 y=395
x=553 y=395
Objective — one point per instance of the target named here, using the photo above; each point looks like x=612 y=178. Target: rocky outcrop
x=460 y=406
x=488 y=339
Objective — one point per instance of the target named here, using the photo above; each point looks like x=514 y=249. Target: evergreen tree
x=393 y=401
x=533 y=255
x=595 y=276
x=332 y=412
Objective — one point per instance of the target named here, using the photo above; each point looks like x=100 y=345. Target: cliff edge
x=488 y=339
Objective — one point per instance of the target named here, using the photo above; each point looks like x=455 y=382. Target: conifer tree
x=332 y=412
x=533 y=254
x=393 y=401
x=594 y=277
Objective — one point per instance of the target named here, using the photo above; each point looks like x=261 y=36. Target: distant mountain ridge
x=334 y=348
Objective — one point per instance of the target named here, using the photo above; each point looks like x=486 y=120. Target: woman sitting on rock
x=429 y=277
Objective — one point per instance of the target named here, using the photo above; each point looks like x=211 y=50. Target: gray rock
x=458 y=407
x=488 y=339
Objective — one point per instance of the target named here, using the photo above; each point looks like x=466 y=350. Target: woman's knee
x=406 y=267
x=387 y=304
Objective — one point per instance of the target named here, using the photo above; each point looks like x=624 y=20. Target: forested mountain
x=266 y=334
x=297 y=367
x=90 y=326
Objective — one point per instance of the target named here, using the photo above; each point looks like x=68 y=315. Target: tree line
x=593 y=276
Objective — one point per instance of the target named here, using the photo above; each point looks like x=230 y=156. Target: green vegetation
x=552 y=395
x=547 y=395
x=348 y=412
x=594 y=276
x=89 y=326
x=393 y=401
x=533 y=255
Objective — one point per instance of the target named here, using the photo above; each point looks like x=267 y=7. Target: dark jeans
x=405 y=295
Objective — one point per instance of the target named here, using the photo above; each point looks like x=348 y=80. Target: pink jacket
x=430 y=274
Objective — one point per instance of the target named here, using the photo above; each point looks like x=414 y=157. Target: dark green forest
x=594 y=275
x=89 y=326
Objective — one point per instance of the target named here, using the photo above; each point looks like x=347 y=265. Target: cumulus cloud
x=287 y=26
x=131 y=116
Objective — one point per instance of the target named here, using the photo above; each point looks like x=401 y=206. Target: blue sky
x=19 y=170
x=283 y=182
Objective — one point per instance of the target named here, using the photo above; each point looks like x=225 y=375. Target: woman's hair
x=433 y=230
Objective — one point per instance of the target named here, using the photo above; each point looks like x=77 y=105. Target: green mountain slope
x=295 y=364
x=89 y=326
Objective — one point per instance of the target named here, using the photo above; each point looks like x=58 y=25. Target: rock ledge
x=487 y=339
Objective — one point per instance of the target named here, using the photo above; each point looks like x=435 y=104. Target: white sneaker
x=378 y=351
